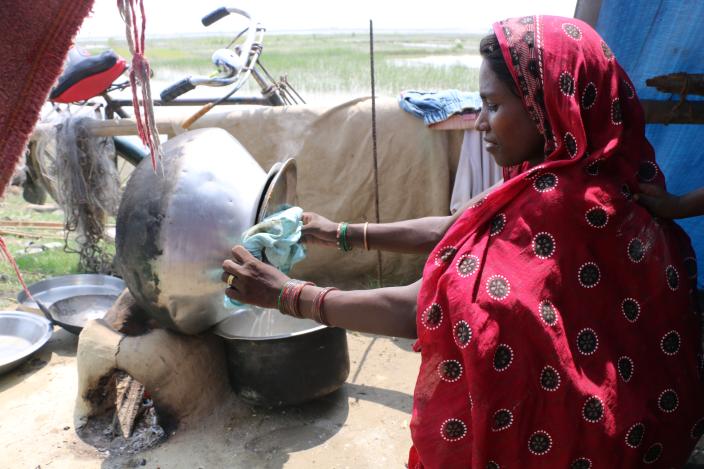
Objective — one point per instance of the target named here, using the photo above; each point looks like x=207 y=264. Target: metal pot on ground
x=275 y=360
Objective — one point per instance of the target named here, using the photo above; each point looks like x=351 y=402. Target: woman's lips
x=490 y=145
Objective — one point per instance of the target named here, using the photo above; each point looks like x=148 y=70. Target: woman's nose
x=481 y=124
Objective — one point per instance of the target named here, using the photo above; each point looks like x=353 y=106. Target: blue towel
x=437 y=106
x=277 y=238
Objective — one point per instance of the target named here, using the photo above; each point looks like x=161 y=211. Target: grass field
x=315 y=64
x=49 y=260
x=329 y=63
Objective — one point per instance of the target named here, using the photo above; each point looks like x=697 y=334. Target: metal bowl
x=21 y=334
x=275 y=360
x=55 y=289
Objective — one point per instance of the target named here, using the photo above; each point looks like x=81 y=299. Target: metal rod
x=374 y=149
x=673 y=112
x=258 y=100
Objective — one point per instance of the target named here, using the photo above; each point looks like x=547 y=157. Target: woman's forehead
x=490 y=85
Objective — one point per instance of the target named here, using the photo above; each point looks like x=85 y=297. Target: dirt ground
x=364 y=424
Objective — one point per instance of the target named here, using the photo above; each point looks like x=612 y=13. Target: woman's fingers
x=228 y=278
x=241 y=255
x=659 y=202
x=651 y=189
x=649 y=195
x=250 y=280
x=236 y=255
x=230 y=267
x=233 y=293
x=645 y=200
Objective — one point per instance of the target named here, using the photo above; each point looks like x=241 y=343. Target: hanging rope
x=140 y=72
x=11 y=260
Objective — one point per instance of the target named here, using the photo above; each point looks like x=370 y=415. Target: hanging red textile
x=556 y=321
x=35 y=39
x=36 y=36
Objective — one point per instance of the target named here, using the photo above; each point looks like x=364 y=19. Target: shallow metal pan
x=54 y=289
x=21 y=334
x=74 y=313
x=70 y=301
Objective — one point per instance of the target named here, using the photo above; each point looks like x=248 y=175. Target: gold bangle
x=366 y=245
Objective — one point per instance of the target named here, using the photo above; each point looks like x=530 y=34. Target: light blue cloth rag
x=437 y=106
x=276 y=238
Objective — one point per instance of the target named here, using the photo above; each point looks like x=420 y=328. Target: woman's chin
x=497 y=156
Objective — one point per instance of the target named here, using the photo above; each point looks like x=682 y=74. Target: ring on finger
x=230 y=279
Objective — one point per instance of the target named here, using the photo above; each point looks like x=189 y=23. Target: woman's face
x=510 y=135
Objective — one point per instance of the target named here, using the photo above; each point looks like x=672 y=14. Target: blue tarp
x=657 y=37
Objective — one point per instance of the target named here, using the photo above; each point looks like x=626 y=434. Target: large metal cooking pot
x=175 y=225
x=276 y=360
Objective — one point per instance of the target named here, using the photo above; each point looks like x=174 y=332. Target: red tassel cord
x=140 y=73
x=11 y=260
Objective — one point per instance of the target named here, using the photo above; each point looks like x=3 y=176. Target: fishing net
x=80 y=173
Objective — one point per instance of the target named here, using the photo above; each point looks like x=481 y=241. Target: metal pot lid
x=279 y=192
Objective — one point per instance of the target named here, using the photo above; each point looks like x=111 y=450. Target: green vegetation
x=35 y=266
x=328 y=63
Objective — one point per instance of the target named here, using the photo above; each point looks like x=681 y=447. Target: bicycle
x=88 y=82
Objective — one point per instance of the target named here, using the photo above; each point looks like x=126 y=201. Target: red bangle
x=289 y=296
x=318 y=311
x=296 y=295
x=284 y=295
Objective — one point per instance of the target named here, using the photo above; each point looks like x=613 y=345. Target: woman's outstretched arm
x=418 y=236
x=664 y=205
x=385 y=311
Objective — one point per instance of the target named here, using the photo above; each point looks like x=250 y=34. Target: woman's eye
x=492 y=107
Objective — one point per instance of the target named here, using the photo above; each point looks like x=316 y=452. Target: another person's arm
x=665 y=205
x=418 y=236
x=385 y=311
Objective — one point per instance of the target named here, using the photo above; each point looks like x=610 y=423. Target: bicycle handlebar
x=235 y=66
x=177 y=89
x=222 y=12
x=214 y=16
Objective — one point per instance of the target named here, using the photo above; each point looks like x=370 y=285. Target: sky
x=172 y=17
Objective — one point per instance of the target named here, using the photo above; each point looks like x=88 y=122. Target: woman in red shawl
x=555 y=317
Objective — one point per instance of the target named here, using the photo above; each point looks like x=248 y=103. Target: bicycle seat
x=86 y=76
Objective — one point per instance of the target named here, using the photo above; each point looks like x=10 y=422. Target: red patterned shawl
x=556 y=320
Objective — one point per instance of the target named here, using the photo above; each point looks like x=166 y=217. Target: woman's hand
x=318 y=230
x=660 y=203
x=253 y=281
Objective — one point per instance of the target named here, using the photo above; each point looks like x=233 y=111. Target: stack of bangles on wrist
x=288 y=301
x=289 y=295
x=318 y=311
x=343 y=242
